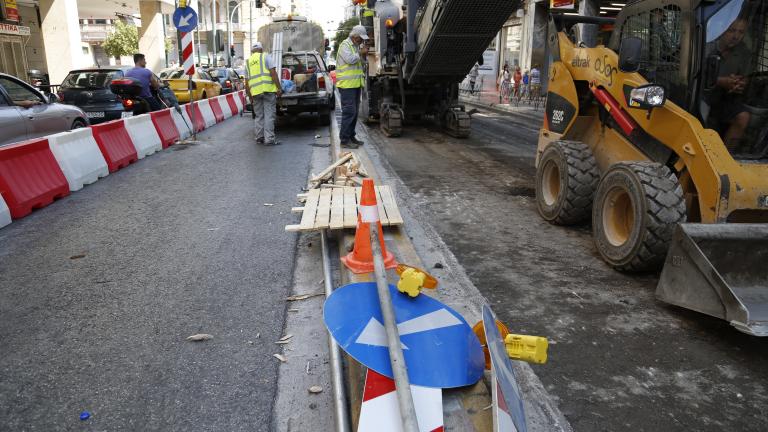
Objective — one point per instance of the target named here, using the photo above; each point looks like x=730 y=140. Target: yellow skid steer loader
x=661 y=138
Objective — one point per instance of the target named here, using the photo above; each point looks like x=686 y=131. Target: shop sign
x=11 y=10
x=14 y=29
x=562 y=4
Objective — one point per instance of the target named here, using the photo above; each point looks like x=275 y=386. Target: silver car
x=25 y=113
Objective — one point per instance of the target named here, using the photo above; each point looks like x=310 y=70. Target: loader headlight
x=647 y=96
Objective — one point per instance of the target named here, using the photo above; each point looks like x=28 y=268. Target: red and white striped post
x=188 y=63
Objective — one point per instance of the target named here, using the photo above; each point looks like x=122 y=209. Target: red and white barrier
x=226 y=111
x=182 y=122
x=30 y=177
x=208 y=116
x=218 y=114
x=233 y=108
x=79 y=157
x=165 y=127
x=198 y=123
x=5 y=214
x=115 y=144
x=145 y=138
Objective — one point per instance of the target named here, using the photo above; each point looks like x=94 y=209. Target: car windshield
x=176 y=74
x=90 y=79
x=737 y=104
x=218 y=73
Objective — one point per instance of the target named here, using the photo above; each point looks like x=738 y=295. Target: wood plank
x=350 y=208
x=326 y=172
x=308 y=217
x=323 y=217
x=337 y=208
x=293 y=228
x=393 y=212
x=297 y=209
x=380 y=203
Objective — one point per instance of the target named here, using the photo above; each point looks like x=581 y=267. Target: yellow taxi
x=203 y=85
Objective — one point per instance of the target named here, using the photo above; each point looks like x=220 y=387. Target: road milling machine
x=419 y=52
x=661 y=138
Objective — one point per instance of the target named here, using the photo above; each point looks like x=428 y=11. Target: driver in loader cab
x=727 y=99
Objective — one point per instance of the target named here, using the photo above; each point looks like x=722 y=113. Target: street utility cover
x=439 y=346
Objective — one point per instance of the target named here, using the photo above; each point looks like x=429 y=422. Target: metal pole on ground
x=396 y=358
x=339 y=395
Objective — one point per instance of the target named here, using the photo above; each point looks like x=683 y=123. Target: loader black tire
x=636 y=209
x=566 y=179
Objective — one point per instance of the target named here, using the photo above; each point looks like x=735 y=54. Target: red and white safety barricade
x=145 y=138
x=5 y=214
x=30 y=177
x=207 y=112
x=165 y=127
x=195 y=114
x=380 y=410
x=218 y=113
x=79 y=157
x=115 y=144
x=182 y=122
x=226 y=111
x=233 y=108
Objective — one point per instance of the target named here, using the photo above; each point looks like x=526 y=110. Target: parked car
x=26 y=113
x=203 y=85
x=310 y=87
x=228 y=78
x=89 y=90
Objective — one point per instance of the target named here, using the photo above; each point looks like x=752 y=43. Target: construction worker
x=350 y=79
x=264 y=89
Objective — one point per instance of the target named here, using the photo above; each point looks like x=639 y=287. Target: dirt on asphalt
x=618 y=359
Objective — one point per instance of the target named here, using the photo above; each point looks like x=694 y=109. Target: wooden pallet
x=336 y=208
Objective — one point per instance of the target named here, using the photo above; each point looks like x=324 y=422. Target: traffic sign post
x=439 y=346
x=185 y=20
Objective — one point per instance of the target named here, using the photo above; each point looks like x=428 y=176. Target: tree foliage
x=343 y=32
x=123 y=41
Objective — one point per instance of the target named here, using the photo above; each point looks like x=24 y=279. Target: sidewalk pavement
x=490 y=99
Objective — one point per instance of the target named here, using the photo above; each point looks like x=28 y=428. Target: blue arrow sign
x=440 y=348
x=509 y=399
x=185 y=19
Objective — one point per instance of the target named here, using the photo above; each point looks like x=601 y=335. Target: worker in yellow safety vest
x=350 y=79
x=264 y=88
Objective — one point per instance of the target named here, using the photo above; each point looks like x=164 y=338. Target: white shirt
x=348 y=55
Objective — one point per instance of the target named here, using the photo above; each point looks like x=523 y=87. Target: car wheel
x=78 y=124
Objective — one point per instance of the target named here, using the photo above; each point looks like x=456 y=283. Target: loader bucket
x=720 y=270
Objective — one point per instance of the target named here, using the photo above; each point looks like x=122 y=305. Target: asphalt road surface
x=618 y=360
x=100 y=290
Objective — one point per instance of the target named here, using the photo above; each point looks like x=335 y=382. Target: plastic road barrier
x=115 y=144
x=239 y=101
x=208 y=116
x=143 y=134
x=5 y=214
x=79 y=157
x=30 y=178
x=216 y=108
x=199 y=123
x=233 y=108
x=182 y=122
x=166 y=127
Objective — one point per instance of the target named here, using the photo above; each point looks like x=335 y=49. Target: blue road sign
x=509 y=395
x=185 y=19
x=440 y=348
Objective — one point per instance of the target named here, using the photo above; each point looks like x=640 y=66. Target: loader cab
x=712 y=59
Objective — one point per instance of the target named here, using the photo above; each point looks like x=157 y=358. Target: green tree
x=123 y=41
x=343 y=32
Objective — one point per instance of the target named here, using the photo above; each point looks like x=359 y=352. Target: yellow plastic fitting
x=531 y=349
x=411 y=281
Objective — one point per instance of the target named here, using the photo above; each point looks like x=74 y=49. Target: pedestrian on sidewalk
x=505 y=80
x=535 y=82
x=526 y=81
x=264 y=89
x=350 y=78
x=473 y=78
x=518 y=78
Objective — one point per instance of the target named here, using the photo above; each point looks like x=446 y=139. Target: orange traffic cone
x=360 y=260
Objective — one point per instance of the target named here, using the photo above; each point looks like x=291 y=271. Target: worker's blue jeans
x=350 y=104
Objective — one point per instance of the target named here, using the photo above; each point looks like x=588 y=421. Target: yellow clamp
x=531 y=349
x=413 y=279
x=182 y=3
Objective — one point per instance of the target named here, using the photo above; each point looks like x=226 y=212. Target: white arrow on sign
x=375 y=334
x=184 y=20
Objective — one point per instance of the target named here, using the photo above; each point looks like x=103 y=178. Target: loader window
x=660 y=30
x=737 y=106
